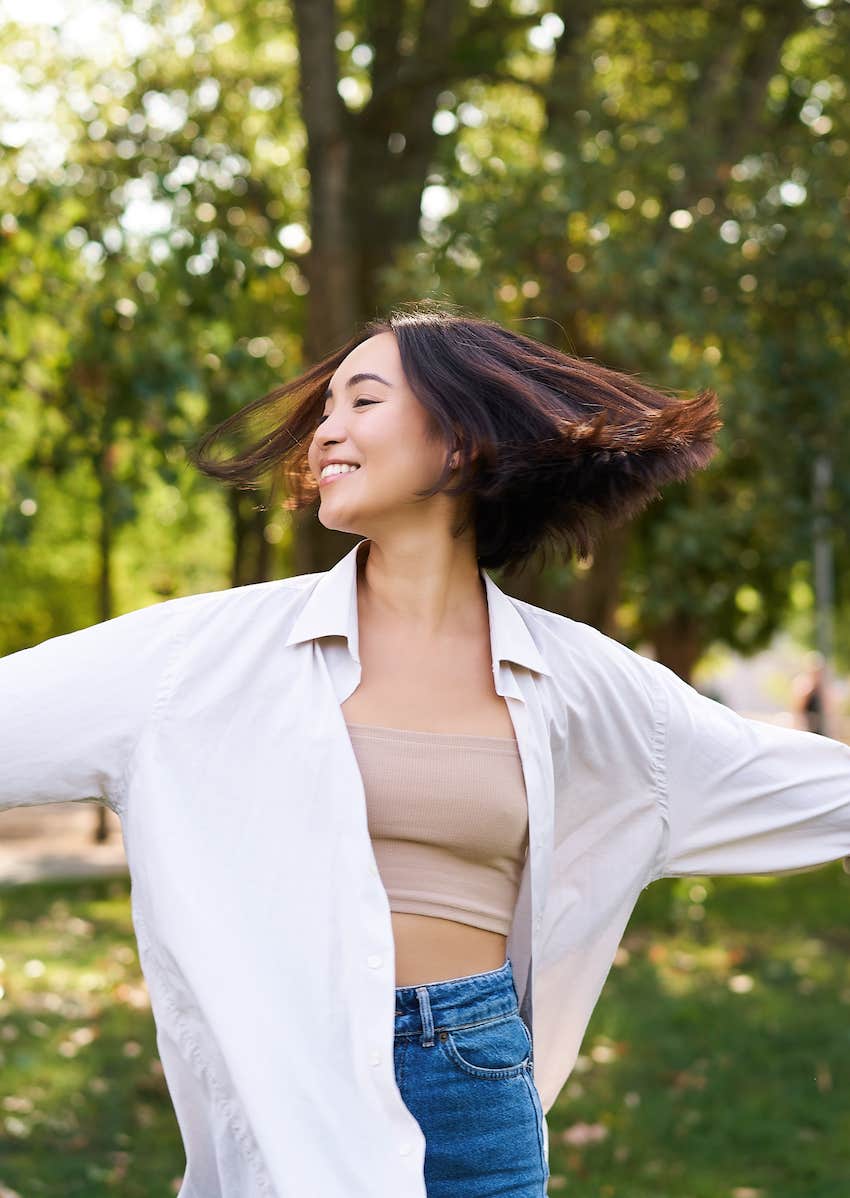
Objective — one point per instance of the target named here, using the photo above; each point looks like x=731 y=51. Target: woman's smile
x=332 y=478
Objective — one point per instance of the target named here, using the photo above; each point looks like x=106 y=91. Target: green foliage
x=662 y=189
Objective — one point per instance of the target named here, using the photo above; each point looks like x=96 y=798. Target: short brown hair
x=563 y=446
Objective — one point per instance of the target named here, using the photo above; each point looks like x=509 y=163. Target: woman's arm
x=741 y=796
x=72 y=708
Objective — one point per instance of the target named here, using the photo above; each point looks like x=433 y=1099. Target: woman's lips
x=332 y=478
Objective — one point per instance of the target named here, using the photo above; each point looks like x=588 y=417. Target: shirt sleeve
x=72 y=708
x=741 y=796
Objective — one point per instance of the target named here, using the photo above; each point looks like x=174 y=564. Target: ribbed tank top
x=448 y=818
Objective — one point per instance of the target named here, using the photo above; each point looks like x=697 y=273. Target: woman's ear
x=455 y=458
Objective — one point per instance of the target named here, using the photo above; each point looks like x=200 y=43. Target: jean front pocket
x=496 y=1048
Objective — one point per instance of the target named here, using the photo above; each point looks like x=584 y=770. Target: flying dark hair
x=552 y=448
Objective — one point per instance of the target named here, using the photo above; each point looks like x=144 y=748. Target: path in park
x=56 y=840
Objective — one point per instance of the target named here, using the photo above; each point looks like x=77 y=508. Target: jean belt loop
x=427 y=1037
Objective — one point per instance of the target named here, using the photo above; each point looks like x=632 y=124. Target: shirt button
x=405 y=1149
x=374 y=1058
x=374 y=960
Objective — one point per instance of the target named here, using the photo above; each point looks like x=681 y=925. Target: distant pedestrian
x=810 y=694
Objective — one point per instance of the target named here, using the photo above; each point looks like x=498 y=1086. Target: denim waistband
x=456 y=1002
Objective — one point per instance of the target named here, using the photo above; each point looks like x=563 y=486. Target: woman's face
x=382 y=428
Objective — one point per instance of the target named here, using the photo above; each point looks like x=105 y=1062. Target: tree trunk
x=240 y=539
x=589 y=594
x=678 y=644
x=594 y=596
x=329 y=266
x=104 y=464
x=253 y=557
x=350 y=241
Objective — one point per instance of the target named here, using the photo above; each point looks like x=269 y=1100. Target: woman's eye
x=356 y=402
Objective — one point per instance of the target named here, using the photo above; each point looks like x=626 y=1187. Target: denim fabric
x=464 y=1067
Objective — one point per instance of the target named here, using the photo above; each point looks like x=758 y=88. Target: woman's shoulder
x=228 y=610
x=246 y=594
x=556 y=633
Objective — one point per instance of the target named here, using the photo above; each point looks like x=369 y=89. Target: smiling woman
x=373 y=424
x=450 y=444
x=392 y=767
x=543 y=448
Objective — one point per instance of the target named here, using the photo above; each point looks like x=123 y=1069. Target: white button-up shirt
x=211 y=724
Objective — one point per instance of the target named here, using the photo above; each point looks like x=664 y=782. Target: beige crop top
x=448 y=819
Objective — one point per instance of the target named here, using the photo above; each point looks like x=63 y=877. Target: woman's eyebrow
x=358 y=378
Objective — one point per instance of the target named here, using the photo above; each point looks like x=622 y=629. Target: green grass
x=716 y=1064
x=84 y=1109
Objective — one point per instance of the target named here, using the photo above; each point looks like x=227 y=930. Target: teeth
x=336 y=468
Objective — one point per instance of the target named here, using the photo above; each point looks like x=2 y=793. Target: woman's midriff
x=429 y=949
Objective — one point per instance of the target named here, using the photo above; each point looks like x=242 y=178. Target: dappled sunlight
x=84 y=1091
x=700 y=1065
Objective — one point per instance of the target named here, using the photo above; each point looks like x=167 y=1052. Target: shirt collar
x=331 y=610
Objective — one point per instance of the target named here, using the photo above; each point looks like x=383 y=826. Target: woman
x=810 y=694
x=385 y=824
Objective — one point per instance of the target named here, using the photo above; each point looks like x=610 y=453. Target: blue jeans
x=464 y=1068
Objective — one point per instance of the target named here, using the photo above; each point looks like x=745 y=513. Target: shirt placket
x=528 y=718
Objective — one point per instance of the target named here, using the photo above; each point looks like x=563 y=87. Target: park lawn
x=717 y=1061
x=716 y=1064
x=84 y=1108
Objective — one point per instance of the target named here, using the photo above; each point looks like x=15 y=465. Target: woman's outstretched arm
x=741 y=796
x=72 y=708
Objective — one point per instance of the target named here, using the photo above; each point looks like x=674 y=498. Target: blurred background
x=199 y=200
